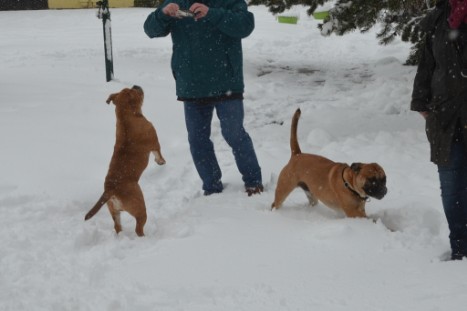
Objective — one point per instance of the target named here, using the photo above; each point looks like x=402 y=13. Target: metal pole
x=104 y=14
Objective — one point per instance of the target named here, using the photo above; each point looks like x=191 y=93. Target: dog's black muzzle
x=138 y=88
x=376 y=187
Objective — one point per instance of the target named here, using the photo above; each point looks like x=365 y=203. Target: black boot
x=457 y=256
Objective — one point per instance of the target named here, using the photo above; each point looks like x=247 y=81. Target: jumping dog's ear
x=356 y=167
x=111 y=98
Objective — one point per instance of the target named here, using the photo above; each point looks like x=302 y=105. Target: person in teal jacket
x=207 y=64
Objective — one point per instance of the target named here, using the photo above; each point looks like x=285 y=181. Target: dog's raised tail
x=93 y=211
x=294 y=147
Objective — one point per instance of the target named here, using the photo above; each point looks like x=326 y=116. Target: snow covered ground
x=227 y=251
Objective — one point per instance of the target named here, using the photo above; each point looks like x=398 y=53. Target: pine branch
x=398 y=18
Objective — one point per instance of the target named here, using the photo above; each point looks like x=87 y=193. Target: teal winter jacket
x=207 y=58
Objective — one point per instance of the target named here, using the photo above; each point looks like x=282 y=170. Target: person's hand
x=424 y=114
x=199 y=9
x=171 y=9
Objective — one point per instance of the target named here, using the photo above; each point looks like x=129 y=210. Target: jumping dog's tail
x=102 y=200
x=294 y=147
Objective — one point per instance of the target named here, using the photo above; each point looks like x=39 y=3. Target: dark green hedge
x=147 y=3
x=43 y=4
x=23 y=5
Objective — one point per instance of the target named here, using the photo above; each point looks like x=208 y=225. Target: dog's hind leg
x=283 y=189
x=311 y=198
x=135 y=206
x=114 y=209
x=140 y=215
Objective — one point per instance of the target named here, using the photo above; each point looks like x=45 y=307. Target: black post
x=104 y=14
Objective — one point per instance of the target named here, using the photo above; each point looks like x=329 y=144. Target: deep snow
x=227 y=251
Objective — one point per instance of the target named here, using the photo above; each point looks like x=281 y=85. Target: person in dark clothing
x=440 y=95
x=207 y=65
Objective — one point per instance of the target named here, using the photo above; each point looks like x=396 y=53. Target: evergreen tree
x=397 y=18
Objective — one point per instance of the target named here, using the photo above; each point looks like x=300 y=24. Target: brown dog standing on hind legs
x=136 y=138
x=337 y=185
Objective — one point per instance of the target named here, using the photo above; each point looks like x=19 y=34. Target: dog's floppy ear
x=111 y=98
x=356 y=167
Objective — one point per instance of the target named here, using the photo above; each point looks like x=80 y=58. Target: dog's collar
x=347 y=185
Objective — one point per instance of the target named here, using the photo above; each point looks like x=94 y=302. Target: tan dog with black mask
x=337 y=185
x=136 y=138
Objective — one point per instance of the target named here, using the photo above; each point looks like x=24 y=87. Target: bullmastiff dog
x=136 y=138
x=337 y=185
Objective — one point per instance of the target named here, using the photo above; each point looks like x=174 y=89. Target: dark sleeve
x=158 y=24
x=234 y=19
x=421 y=95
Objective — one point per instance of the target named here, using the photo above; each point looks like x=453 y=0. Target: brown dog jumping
x=136 y=138
x=337 y=185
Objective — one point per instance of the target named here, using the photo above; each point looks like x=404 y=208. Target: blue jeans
x=453 y=179
x=198 y=118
